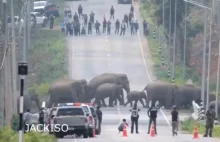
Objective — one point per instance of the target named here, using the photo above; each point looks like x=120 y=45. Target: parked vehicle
x=124 y=1
x=38 y=19
x=51 y=9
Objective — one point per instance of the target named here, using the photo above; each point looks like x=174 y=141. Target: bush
x=14 y=122
x=188 y=125
x=9 y=135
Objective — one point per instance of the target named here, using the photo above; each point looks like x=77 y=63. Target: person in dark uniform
x=76 y=17
x=126 y=19
x=145 y=27
x=136 y=27
x=85 y=18
x=97 y=26
x=80 y=10
x=175 y=120
x=104 y=25
x=92 y=17
x=51 y=21
x=112 y=12
x=123 y=27
x=210 y=119
x=41 y=118
x=130 y=17
x=68 y=28
x=99 y=115
x=90 y=27
x=108 y=27
x=132 y=25
x=152 y=113
x=132 y=9
x=134 y=118
x=83 y=31
x=117 y=26
x=78 y=25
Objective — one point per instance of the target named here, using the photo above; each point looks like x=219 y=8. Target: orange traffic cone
x=94 y=133
x=125 y=134
x=195 y=132
x=152 y=131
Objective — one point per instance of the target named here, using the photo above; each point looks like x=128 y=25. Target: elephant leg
x=136 y=101
x=116 y=102
x=110 y=102
x=128 y=101
x=142 y=102
x=131 y=103
x=103 y=103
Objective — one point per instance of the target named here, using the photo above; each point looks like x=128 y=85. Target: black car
x=51 y=9
x=124 y=1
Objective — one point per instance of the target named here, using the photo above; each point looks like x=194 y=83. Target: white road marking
x=147 y=72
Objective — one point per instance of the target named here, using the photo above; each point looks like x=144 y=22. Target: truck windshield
x=70 y=112
x=86 y=109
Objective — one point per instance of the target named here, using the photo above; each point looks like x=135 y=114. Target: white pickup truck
x=75 y=118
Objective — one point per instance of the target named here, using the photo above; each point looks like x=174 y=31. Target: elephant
x=165 y=93
x=120 y=79
x=187 y=94
x=213 y=103
x=28 y=99
x=136 y=96
x=66 y=91
x=108 y=90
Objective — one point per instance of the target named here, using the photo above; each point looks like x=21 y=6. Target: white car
x=40 y=4
x=38 y=19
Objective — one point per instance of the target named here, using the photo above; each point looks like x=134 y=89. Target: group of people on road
x=82 y=24
x=152 y=113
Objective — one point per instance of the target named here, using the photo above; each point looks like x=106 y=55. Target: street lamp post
x=174 y=45
x=184 y=54
x=204 y=49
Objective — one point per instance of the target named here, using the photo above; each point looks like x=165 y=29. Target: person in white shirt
x=27 y=120
x=134 y=118
x=123 y=26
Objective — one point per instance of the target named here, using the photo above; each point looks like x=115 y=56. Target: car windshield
x=70 y=111
x=42 y=3
x=86 y=109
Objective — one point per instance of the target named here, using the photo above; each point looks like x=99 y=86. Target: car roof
x=40 y=2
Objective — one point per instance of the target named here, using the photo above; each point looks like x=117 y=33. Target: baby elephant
x=136 y=96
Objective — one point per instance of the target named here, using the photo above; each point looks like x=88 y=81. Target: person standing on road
x=109 y=27
x=104 y=24
x=132 y=9
x=145 y=27
x=126 y=19
x=130 y=17
x=76 y=18
x=210 y=119
x=85 y=19
x=99 y=115
x=51 y=21
x=90 y=27
x=68 y=28
x=123 y=27
x=152 y=113
x=132 y=26
x=134 y=118
x=78 y=25
x=27 y=121
x=97 y=26
x=117 y=26
x=136 y=26
x=112 y=12
x=175 y=120
x=62 y=25
x=92 y=17
x=83 y=31
x=80 y=10
x=41 y=118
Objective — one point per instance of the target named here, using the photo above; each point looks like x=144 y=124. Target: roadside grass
x=188 y=125
x=8 y=135
x=161 y=72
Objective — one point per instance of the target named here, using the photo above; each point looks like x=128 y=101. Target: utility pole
x=184 y=54
x=204 y=61
x=14 y=59
x=174 y=45
x=170 y=12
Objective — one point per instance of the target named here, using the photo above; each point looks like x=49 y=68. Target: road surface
x=94 y=54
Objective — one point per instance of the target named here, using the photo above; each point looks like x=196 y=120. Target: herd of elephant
x=111 y=85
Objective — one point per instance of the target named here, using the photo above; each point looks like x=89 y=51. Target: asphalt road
x=94 y=54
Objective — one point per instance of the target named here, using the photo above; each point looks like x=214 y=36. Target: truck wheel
x=86 y=134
